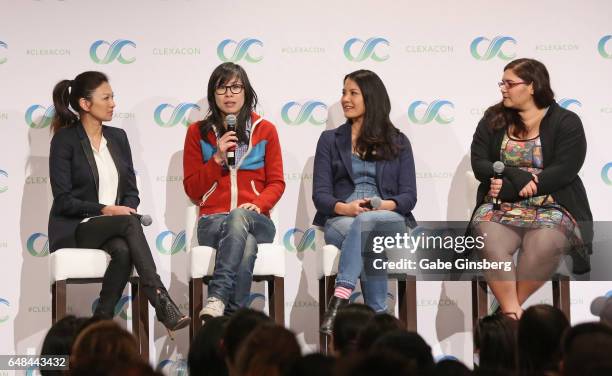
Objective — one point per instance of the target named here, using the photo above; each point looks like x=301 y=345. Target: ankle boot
x=330 y=314
x=168 y=313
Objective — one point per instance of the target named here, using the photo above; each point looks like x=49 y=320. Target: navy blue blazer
x=74 y=180
x=333 y=179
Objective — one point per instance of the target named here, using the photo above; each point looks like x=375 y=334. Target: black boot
x=330 y=314
x=168 y=313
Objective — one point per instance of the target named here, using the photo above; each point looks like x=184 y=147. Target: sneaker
x=214 y=308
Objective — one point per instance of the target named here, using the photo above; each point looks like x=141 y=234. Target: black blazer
x=333 y=179
x=564 y=149
x=74 y=180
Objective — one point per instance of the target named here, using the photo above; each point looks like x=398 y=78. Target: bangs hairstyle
x=378 y=136
x=532 y=72
x=223 y=74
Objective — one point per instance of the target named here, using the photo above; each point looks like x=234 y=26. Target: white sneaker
x=214 y=308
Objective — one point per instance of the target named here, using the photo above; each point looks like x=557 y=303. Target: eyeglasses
x=509 y=84
x=234 y=89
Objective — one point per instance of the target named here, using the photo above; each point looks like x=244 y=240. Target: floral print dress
x=533 y=212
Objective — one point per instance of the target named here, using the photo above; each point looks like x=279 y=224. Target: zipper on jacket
x=234 y=171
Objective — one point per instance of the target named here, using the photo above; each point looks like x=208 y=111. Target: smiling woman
x=364 y=158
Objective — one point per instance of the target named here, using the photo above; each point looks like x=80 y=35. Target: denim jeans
x=235 y=236
x=345 y=233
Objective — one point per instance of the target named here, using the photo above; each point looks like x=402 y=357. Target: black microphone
x=374 y=203
x=144 y=219
x=498 y=173
x=231 y=121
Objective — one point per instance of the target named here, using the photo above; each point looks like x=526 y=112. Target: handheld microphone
x=498 y=173
x=231 y=121
x=374 y=203
x=144 y=219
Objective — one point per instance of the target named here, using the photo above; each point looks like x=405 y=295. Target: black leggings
x=121 y=236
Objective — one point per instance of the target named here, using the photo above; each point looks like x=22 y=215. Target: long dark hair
x=532 y=72
x=219 y=77
x=378 y=137
x=67 y=94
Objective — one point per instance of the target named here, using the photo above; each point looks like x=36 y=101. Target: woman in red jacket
x=235 y=199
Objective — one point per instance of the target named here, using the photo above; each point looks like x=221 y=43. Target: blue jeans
x=345 y=233
x=235 y=236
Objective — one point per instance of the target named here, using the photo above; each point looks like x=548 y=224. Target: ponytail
x=67 y=94
x=61 y=100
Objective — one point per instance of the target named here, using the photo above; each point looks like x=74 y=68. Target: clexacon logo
x=314 y=112
x=307 y=241
x=3 y=181
x=121 y=308
x=605 y=173
x=443 y=357
x=366 y=49
x=253 y=297
x=165 y=365
x=568 y=102
x=5 y=46
x=179 y=114
x=241 y=50
x=169 y=243
x=434 y=111
x=38 y=244
x=113 y=52
x=493 y=49
x=177 y=367
x=5 y=303
x=45 y=119
x=602 y=47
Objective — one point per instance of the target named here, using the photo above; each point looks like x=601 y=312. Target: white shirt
x=107 y=174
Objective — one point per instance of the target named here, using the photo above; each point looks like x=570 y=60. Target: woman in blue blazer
x=95 y=195
x=364 y=158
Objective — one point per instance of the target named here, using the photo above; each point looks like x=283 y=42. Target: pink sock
x=342 y=292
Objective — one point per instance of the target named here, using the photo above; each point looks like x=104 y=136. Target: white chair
x=269 y=267
x=327 y=269
x=85 y=265
x=560 y=282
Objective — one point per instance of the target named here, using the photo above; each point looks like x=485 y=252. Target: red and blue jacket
x=257 y=178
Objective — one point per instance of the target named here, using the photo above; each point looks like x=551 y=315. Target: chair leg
x=140 y=318
x=196 y=296
x=406 y=290
x=58 y=300
x=326 y=290
x=479 y=299
x=561 y=294
x=276 y=300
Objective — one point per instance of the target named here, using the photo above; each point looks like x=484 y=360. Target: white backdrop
x=440 y=62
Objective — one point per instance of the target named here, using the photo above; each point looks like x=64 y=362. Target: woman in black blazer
x=95 y=195
x=540 y=204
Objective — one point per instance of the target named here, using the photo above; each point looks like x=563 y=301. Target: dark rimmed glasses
x=234 y=89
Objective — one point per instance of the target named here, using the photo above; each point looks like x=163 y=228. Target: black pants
x=121 y=236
